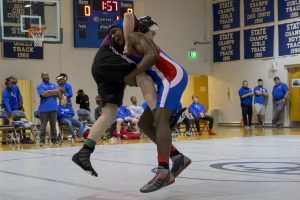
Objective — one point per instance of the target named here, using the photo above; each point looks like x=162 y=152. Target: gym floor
x=260 y=164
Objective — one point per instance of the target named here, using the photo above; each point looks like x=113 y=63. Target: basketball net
x=38 y=35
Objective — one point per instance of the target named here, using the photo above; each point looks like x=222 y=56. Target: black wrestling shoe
x=175 y=118
x=82 y=159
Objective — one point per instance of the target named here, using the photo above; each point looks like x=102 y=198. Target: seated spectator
x=65 y=114
x=135 y=110
x=199 y=112
x=98 y=110
x=123 y=115
x=64 y=87
x=17 y=91
x=183 y=118
x=9 y=99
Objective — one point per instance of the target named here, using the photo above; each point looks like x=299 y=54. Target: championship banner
x=227 y=47
x=226 y=15
x=258 y=11
x=14 y=9
x=25 y=50
x=259 y=42
x=289 y=38
x=288 y=9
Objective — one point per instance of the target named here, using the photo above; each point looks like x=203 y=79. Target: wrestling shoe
x=162 y=178
x=180 y=162
x=175 y=118
x=82 y=159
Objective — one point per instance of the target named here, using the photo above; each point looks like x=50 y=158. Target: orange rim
x=32 y=31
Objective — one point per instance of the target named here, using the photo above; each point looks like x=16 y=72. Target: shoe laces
x=156 y=177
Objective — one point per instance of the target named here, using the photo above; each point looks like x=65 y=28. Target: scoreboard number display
x=93 y=17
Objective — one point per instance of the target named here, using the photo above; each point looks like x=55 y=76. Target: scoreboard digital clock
x=93 y=17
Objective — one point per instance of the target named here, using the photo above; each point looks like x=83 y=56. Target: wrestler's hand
x=130 y=80
x=126 y=50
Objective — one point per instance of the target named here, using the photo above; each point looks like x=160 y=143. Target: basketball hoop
x=38 y=35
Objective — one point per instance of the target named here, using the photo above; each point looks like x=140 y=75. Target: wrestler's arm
x=128 y=27
x=144 y=47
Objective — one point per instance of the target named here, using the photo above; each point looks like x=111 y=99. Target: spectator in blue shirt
x=123 y=115
x=246 y=97
x=65 y=116
x=199 y=112
x=9 y=99
x=65 y=87
x=280 y=94
x=260 y=101
x=17 y=90
x=48 y=93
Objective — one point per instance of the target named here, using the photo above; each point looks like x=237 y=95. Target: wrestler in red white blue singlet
x=170 y=79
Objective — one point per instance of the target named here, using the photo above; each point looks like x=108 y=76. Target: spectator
x=48 y=93
x=123 y=115
x=199 y=112
x=83 y=100
x=246 y=97
x=98 y=110
x=135 y=110
x=9 y=99
x=65 y=87
x=17 y=91
x=65 y=114
x=280 y=94
x=260 y=94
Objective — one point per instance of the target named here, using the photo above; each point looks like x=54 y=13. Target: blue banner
x=226 y=15
x=259 y=42
x=289 y=38
x=14 y=9
x=22 y=49
x=288 y=9
x=258 y=11
x=227 y=47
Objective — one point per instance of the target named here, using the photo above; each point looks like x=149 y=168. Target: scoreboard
x=93 y=17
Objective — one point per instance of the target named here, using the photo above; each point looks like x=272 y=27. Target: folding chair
x=8 y=131
x=202 y=123
x=22 y=130
x=64 y=132
x=193 y=127
x=84 y=117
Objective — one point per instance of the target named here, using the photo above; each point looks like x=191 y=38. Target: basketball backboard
x=18 y=16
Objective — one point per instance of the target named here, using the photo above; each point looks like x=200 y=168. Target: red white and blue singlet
x=170 y=79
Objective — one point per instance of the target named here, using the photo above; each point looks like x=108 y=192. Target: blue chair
x=84 y=116
x=24 y=127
